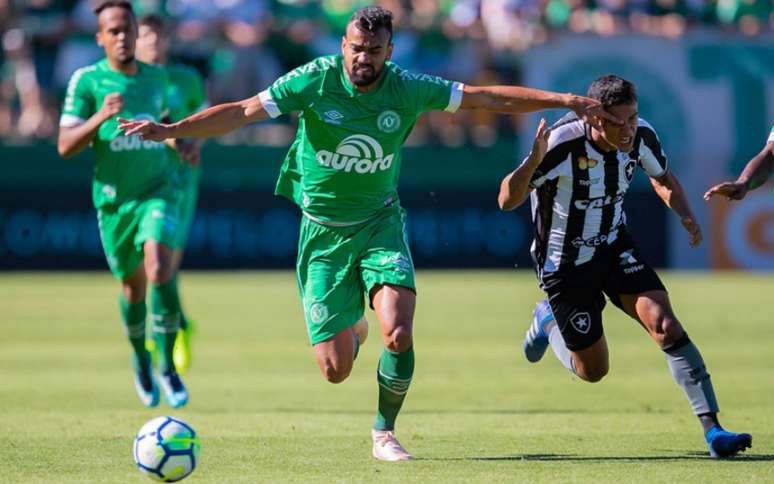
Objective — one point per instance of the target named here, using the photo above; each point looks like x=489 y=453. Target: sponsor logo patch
x=359 y=153
x=586 y=163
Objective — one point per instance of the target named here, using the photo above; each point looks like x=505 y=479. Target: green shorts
x=124 y=229
x=338 y=266
x=189 y=177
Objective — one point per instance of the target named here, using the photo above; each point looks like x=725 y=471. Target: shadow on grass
x=679 y=456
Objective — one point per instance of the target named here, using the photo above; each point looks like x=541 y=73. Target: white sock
x=559 y=348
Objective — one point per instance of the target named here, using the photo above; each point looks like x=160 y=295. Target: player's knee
x=592 y=372
x=158 y=272
x=399 y=340
x=336 y=372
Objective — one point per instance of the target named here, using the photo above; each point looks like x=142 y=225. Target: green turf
x=476 y=411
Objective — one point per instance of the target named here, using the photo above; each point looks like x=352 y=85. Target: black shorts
x=577 y=295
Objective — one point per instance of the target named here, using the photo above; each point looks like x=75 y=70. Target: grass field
x=477 y=411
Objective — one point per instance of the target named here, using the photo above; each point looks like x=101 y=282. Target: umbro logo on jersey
x=333 y=117
x=586 y=163
x=581 y=322
x=358 y=152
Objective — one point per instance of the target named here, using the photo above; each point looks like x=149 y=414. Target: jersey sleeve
x=771 y=135
x=437 y=94
x=652 y=157
x=79 y=104
x=292 y=91
x=556 y=160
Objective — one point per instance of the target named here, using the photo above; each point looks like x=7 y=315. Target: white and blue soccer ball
x=166 y=449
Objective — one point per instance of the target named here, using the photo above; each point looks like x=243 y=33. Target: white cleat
x=387 y=447
x=361 y=330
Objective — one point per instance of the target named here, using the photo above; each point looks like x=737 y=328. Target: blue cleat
x=536 y=339
x=724 y=444
x=175 y=392
x=146 y=388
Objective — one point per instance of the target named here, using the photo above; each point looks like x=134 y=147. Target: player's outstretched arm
x=516 y=100
x=514 y=188
x=214 y=121
x=670 y=191
x=755 y=174
x=74 y=139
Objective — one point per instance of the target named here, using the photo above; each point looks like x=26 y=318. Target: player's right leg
x=117 y=229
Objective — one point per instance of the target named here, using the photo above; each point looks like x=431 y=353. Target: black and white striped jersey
x=577 y=201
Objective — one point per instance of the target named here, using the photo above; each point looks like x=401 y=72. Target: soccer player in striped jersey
x=577 y=176
x=356 y=110
x=185 y=96
x=757 y=171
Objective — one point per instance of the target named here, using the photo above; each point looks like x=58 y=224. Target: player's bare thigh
x=394 y=307
x=158 y=261
x=653 y=310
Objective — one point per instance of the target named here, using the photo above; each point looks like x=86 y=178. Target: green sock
x=133 y=315
x=394 y=377
x=183 y=320
x=165 y=312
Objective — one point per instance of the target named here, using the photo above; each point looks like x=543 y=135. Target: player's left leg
x=654 y=312
x=158 y=235
x=394 y=307
x=387 y=271
x=182 y=349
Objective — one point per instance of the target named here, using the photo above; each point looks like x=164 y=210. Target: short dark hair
x=153 y=21
x=372 y=19
x=105 y=4
x=612 y=90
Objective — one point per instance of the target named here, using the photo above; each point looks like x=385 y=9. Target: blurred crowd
x=243 y=45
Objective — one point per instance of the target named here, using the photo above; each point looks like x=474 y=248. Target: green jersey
x=185 y=92
x=126 y=168
x=344 y=164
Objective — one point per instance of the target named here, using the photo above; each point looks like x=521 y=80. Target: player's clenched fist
x=146 y=129
x=112 y=105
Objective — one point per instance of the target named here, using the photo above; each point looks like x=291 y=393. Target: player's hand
x=540 y=145
x=112 y=105
x=591 y=111
x=731 y=190
x=189 y=151
x=147 y=130
x=694 y=231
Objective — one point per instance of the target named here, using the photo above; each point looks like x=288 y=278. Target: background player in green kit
x=755 y=173
x=132 y=190
x=185 y=96
x=356 y=110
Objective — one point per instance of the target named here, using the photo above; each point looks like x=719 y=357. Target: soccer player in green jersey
x=356 y=110
x=755 y=173
x=132 y=190
x=185 y=96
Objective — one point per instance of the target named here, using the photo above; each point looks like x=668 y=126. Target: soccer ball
x=166 y=449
